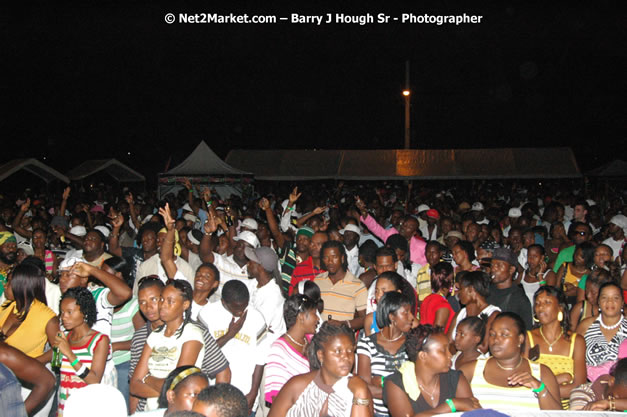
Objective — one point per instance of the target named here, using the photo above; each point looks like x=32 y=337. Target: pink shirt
x=416 y=245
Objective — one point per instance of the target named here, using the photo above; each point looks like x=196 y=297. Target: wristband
x=83 y=372
x=74 y=362
x=191 y=190
x=451 y=405
x=382 y=381
x=539 y=389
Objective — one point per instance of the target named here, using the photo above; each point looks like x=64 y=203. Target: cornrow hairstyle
x=390 y=303
x=150 y=281
x=401 y=284
x=85 y=301
x=186 y=291
x=337 y=245
x=163 y=395
x=27 y=284
x=296 y=304
x=441 y=276
x=563 y=305
x=119 y=264
x=418 y=339
x=476 y=324
x=226 y=399
x=325 y=334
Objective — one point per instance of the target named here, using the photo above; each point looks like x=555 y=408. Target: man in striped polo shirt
x=344 y=295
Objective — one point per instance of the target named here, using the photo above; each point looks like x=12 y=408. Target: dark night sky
x=95 y=82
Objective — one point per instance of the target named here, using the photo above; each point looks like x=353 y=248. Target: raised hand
x=66 y=193
x=167 y=217
x=206 y=194
x=187 y=183
x=24 y=207
x=264 y=204
x=320 y=210
x=129 y=199
x=116 y=219
x=294 y=196
x=211 y=224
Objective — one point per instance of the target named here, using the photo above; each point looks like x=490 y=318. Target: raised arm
x=167 y=247
x=264 y=205
x=206 y=244
x=66 y=195
x=286 y=215
x=372 y=224
x=119 y=292
x=16 y=225
x=190 y=196
x=114 y=239
x=131 y=206
x=303 y=220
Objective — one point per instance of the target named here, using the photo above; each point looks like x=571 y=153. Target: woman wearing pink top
x=287 y=356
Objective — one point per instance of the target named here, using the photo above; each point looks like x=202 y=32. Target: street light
x=406 y=93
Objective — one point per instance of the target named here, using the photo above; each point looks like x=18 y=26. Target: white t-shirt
x=152 y=266
x=241 y=351
x=166 y=352
x=229 y=270
x=194 y=261
x=352 y=258
x=269 y=301
x=53 y=296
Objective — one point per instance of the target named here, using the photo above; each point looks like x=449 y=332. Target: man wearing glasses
x=579 y=232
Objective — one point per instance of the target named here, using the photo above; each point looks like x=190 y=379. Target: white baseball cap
x=477 y=206
x=423 y=207
x=250 y=224
x=514 y=212
x=248 y=237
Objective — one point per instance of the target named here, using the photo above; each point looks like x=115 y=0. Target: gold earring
x=560 y=316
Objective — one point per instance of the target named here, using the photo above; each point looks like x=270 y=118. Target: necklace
x=554 y=342
x=391 y=340
x=431 y=394
x=612 y=327
x=508 y=369
x=295 y=342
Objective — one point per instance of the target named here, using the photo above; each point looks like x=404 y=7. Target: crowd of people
x=354 y=300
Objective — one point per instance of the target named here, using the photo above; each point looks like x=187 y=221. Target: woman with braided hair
x=177 y=343
x=329 y=389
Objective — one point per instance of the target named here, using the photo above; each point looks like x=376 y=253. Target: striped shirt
x=288 y=261
x=283 y=363
x=70 y=381
x=503 y=398
x=342 y=299
x=122 y=329
x=382 y=363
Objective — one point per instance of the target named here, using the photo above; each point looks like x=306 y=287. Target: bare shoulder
x=585 y=323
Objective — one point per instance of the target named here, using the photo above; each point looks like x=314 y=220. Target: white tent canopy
x=113 y=167
x=33 y=166
x=204 y=168
x=203 y=161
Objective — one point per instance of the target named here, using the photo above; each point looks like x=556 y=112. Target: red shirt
x=305 y=270
x=431 y=305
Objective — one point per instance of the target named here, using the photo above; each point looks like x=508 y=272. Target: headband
x=177 y=245
x=184 y=374
x=7 y=237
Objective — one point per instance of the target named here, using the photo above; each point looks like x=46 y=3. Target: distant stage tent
x=113 y=167
x=205 y=169
x=616 y=168
x=402 y=164
x=34 y=167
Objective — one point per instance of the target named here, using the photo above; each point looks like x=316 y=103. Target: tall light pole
x=407 y=94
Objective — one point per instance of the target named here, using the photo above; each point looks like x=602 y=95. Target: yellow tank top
x=558 y=364
x=570 y=277
x=30 y=337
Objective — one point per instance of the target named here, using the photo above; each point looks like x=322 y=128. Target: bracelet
x=451 y=405
x=361 y=401
x=539 y=390
x=382 y=381
x=208 y=203
x=74 y=362
x=83 y=372
x=612 y=402
x=144 y=378
x=290 y=208
x=191 y=190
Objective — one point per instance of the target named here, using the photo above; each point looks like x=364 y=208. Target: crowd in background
x=343 y=299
